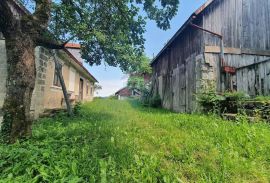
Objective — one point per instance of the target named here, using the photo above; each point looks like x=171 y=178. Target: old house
x=48 y=93
x=125 y=93
x=225 y=42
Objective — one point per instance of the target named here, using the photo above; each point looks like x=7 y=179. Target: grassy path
x=120 y=141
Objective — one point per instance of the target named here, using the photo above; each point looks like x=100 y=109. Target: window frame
x=56 y=79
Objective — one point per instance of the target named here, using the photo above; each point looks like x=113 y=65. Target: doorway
x=81 y=90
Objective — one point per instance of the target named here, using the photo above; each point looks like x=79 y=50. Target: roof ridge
x=183 y=27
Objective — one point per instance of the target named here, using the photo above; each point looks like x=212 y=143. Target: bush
x=263 y=98
x=77 y=108
x=211 y=101
x=147 y=99
x=155 y=101
x=145 y=96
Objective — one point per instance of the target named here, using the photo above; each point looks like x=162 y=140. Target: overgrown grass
x=120 y=141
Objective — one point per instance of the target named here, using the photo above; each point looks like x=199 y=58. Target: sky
x=112 y=79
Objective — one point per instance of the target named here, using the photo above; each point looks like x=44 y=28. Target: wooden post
x=220 y=64
x=58 y=68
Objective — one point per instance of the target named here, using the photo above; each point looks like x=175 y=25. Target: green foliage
x=113 y=97
x=121 y=141
x=136 y=82
x=136 y=74
x=148 y=99
x=142 y=68
x=97 y=87
x=210 y=101
x=236 y=96
x=263 y=98
x=155 y=101
x=213 y=102
x=110 y=31
x=77 y=108
x=145 y=96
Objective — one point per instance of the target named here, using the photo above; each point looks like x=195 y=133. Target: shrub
x=263 y=98
x=145 y=96
x=148 y=99
x=77 y=108
x=155 y=101
x=210 y=101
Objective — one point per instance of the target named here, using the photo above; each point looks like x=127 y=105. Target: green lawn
x=120 y=141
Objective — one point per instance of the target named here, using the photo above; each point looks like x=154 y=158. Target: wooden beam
x=236 y=51
x=256 y=52
x=58 y=68
x=216 y=49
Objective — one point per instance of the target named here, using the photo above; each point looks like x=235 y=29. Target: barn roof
x=182 y=28
x=124 y=88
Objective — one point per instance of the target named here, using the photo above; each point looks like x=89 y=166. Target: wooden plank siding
x=243 y=23
x=175 y=70
x=190 y=59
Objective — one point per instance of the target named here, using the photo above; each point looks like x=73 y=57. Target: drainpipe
x=222 y=58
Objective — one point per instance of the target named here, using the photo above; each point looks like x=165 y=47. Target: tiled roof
x=73 y=45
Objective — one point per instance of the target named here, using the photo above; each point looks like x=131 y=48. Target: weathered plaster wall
x=53 y=95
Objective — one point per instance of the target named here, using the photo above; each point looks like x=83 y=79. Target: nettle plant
x=208 y=98
x=214 y=102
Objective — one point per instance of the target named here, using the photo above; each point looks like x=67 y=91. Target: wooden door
x=190 y=84
x=81 y=89
x=176 y=90
x=182 y=88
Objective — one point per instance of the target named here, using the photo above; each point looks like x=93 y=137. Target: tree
x=97 y=87
x=109 y=31
x=136 y=80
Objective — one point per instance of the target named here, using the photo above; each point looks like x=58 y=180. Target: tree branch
x=6 y=17
x=42 y=13
x=49 y=43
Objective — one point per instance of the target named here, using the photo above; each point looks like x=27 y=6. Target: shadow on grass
x=61 y=125
x=82 y=146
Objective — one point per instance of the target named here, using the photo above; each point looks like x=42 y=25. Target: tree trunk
x=20 y=85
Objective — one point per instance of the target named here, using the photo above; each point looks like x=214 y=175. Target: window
x=56 y=79
x=87 y=89
x=72 y=76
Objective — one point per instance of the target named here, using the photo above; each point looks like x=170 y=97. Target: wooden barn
x=225 y=42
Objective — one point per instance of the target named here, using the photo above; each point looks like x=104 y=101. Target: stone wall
x=3 y=75
x=45 y=94
x=3 y=72
x=42 y=59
